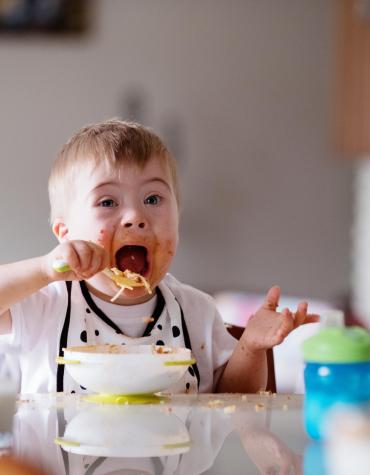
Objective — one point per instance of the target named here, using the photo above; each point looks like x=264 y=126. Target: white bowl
x=126 y=431
x=126 y=369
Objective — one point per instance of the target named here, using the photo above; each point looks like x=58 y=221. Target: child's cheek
x=104 y=238
x=163 y=256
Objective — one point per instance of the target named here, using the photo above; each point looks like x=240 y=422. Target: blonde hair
x=112 y=142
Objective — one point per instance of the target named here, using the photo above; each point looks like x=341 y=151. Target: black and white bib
x=86 y=323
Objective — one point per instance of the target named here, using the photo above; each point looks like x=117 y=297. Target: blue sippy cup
x=337 y=370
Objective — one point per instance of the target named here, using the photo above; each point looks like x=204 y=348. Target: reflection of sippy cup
x=348 y=442
x=337 y=370
x=9 y=376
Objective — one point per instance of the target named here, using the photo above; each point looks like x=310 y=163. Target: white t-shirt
x=39 y=323
x=135 y=316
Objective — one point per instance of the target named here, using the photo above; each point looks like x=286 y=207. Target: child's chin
x=135 y=294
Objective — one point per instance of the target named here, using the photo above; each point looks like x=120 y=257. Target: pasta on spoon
x=123 y=279
x=126 y=280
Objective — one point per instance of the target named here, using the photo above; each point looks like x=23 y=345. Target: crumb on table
x=214 y=403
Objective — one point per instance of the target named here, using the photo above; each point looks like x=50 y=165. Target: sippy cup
x=337 y=371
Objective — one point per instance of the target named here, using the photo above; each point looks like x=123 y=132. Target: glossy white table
x=211 y=434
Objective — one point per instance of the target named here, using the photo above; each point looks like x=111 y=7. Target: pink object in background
x=237 y=307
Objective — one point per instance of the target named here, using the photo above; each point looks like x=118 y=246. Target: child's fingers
x=98 y=261
x=287 y=323
x=103 y=258
x=101 y=254
x=70 y=255
x=286 y=313
x=275 y=326
x=272 y=298
x=312 y=318
x=85 y=254
x=83 y=258
x=95 y=258
x=93 y=267
x=301 y=314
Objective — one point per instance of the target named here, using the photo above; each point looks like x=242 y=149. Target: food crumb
x=202 y=346
x=229 y=409
x=264 y=393
x=148 y=319
x=259 y=407
x=214 y=403
x=159 y=349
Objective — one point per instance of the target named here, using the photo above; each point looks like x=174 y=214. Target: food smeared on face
x=131 y=211
x=102 y=237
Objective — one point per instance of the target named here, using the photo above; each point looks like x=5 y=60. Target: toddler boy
x=115 y=203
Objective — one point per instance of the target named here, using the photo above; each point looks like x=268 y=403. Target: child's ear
x=60 y=229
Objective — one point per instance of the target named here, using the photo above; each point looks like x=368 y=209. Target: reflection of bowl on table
x=126 y=369
x=126 y=431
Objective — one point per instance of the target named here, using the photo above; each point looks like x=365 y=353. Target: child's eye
x=152 y=200
x=107 y=203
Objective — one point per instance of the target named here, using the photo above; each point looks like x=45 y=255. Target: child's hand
x=84 y=258
x=267 y=327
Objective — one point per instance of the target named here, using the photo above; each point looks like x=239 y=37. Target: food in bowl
x=126 y=369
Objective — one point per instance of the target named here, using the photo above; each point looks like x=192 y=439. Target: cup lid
x=338 y=345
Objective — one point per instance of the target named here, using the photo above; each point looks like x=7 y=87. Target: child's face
x=133 y=214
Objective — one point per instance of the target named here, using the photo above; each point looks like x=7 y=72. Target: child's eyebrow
x=106 y=183
x=145 y=182
x=157 y=179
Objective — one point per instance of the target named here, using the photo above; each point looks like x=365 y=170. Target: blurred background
x=254 y=98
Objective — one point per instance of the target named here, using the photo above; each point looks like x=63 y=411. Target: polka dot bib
x=86 y=323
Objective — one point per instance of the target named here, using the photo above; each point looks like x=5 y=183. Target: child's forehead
x=92 y=170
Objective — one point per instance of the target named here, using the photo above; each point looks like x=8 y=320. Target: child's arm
x=20 y=279
x=246 y=371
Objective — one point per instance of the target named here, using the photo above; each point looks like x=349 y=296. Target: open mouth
x=133 y=258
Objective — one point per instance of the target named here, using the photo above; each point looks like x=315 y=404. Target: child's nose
x=129 y=224
x=133 y=219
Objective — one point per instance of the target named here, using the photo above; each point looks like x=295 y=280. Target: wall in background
x=242 y=91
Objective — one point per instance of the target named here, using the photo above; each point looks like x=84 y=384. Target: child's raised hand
x=84 y=259
x=267 y=327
